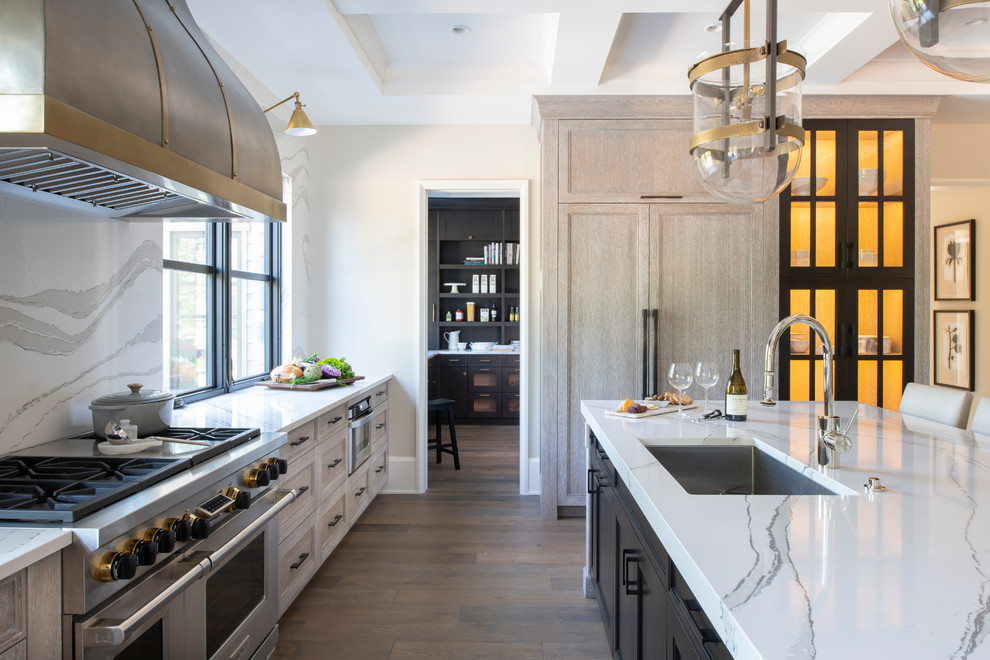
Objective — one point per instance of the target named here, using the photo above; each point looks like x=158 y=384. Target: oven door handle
x=365 y=419
x=115 y=633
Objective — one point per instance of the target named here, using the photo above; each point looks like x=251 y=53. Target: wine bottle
x=494 y=313
x=735 y=392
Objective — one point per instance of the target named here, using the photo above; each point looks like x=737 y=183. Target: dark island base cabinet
x=647 y=609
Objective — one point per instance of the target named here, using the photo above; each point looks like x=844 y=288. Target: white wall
x=80 y=316
x=364 y=251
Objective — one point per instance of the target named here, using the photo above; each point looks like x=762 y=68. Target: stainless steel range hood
x=122 y=107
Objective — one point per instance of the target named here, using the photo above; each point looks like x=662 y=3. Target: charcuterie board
x=650 y=413
x=310 y=387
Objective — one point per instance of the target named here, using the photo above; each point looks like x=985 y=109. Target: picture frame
x=955 y=358
x=955 y=261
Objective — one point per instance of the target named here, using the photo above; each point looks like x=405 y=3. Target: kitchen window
x=221 y=320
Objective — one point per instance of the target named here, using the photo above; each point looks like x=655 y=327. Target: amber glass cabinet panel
x=847 y=246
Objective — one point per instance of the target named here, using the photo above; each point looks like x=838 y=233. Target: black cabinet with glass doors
x=847 y=258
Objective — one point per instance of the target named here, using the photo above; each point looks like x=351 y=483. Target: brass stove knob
x=115 y=566
x=200 y=526
x=181 y=527
x=281 y=465
x=242 y=498
x=163 y=538
x=145 y=551
x=257 y=477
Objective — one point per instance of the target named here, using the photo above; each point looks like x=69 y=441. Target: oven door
x=219 y=601
x=359 y=439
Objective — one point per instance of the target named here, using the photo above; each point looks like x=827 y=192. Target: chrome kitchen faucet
x=831 y=441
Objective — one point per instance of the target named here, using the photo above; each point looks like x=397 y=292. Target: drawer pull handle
x=303 y=489
x=361 y=491
x=380 y=393
x=336 y=519
x=379 y=469
x=335 y=420
x=334 y=464
x=484 y=360
x=302 y=439
x=382 y=425
x=299 y=563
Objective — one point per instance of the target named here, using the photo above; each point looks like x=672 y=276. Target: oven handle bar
x=114 y=635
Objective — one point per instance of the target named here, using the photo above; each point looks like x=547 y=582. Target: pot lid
x=134 y=396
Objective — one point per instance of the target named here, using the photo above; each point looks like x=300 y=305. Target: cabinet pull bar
x=656 y=351
x=335 y=420
x=379 y=469
x=336 y=519
x=335 y=463
x=646 y=317
x=628 y=555
x=591 y=477
x=382 y=425
x=298 y=442
x=299 y=563
x=361 y=491
x=303 y=489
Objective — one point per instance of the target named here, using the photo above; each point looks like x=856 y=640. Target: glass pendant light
x=950 y=36
x=747 y=138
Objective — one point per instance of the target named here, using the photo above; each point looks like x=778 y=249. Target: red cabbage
x=329 y=371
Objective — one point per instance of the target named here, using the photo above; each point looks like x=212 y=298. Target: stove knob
x=145 y=551
x=181 y=527
x=117 y=566
x=200 y=526
x=281 y=464
x=163 y=538
x=242 y=498
x=257 y=478
x=272 y=471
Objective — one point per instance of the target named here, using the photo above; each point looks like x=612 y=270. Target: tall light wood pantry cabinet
x=639 y=265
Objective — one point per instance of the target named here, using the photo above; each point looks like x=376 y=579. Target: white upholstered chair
x=937 y=404
x=981 y=420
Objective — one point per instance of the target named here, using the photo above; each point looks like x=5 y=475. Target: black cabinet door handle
x=628 y=556
x=335 y=420
x=656 y=351
x=592 y=477
x=379 y=469
x=382 y=425
x=303 y=489
x=302 y=439
x=299 y=563
x=380 y=393
x=336 y=519
x=646 y=321
x=361 y=491
x=335 y=463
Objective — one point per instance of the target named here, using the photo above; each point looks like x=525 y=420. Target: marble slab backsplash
x=80 y=316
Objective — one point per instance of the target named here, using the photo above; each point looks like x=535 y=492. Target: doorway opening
x=510 y=297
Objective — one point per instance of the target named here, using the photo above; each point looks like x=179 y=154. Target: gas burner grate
x=20 y=496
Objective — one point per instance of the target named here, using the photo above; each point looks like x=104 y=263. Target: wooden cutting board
x=309 y=387
x=650 y=413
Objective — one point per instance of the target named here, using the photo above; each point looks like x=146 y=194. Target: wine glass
x=706 y=374
x=680 y=377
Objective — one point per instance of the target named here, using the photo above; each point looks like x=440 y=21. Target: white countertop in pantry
x=431 y=353
x=21 y=547
x=899 y=574
x=270 y=409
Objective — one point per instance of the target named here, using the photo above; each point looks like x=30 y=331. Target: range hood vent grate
x=47 y=171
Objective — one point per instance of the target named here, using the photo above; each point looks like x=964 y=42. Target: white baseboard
x=401 y=475
x=533 y=474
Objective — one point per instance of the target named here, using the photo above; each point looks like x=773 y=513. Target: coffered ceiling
x=481 y=61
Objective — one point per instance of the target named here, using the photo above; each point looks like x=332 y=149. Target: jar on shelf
x=459 y=315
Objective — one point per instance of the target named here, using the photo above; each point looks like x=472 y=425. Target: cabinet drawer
x=511 y=360
x=380 y=428
x=332 y=464
x=301 y=476
x=301 y=440
x=484 y=360
x=510 y=379
x=510 y=405
x=379 y=472
x=453 y=360
x=330 y=423
x=297 y=562
x=358 y=493
x=379 y=395
x=333 y=521
x=484 y=379
x=484 y=405
x=12 y=604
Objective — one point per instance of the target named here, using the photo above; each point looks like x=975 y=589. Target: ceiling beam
x=583 y=42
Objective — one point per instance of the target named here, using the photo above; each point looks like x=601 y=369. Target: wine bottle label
x=735 y=404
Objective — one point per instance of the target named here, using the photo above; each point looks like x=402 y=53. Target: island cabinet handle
x=299 y=563
x=302 y=439
x=334 y=420
x=336 y=519
x=380 y=393
x=361 y=491
x=592 y=489
x=303 y=489
x=334 y=464
x=379 y=469
x=382 y=425
x=628 y=555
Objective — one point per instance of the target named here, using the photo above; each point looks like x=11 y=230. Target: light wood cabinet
x=30 y=611
x=329 y=500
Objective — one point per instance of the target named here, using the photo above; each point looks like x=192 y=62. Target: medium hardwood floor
x=468 y=570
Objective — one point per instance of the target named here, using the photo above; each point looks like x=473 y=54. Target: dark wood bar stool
x=438 y=406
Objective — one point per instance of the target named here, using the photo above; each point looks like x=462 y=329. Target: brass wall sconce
x=299 y=124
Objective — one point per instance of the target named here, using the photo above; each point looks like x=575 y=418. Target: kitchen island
x=900 y=574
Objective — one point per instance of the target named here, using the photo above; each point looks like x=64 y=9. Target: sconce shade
x=949 y=36
x=299 y=123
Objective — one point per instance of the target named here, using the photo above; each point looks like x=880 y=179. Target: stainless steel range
x=174 y=550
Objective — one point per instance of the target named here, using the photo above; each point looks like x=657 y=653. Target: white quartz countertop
x=899 y=574
x=271 y=409
x=431 y=353
x=19 y=548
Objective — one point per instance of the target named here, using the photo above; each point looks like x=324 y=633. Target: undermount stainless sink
x=734 y=470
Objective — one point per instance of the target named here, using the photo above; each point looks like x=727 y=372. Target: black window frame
x=220 y=274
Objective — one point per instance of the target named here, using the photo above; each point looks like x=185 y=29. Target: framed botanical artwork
x=955 y=263
x=955 y=359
